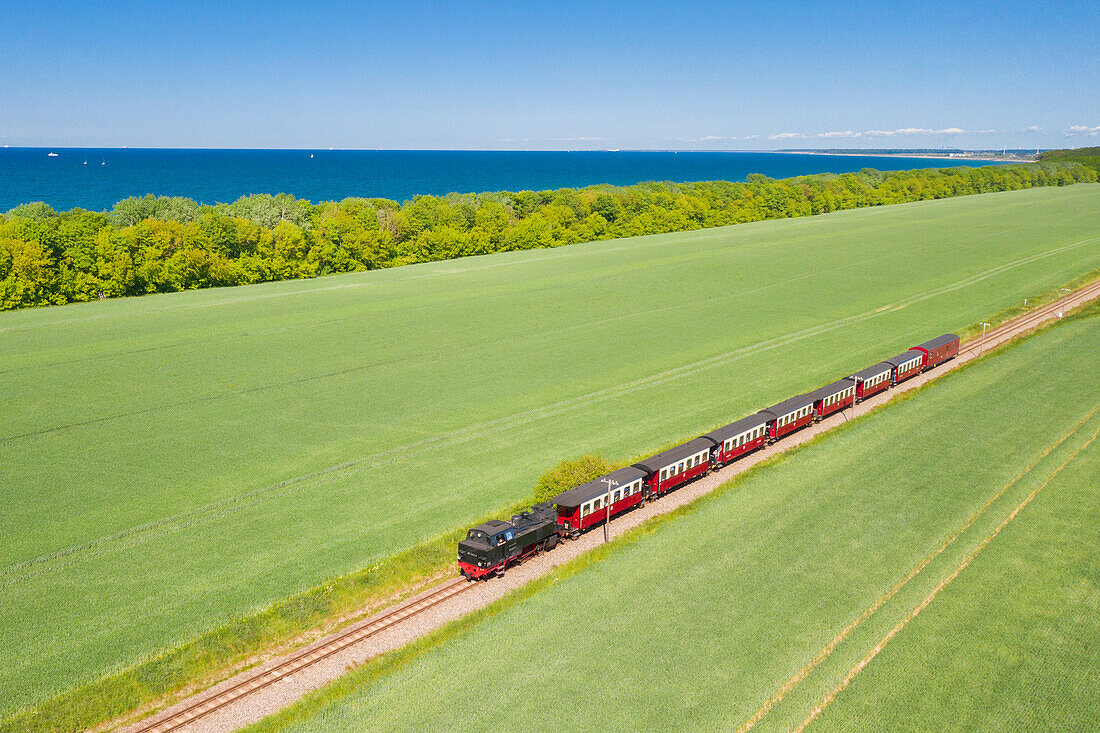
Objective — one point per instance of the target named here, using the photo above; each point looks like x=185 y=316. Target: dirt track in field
x=825 y=651
x=859 y=667
x=271 y=699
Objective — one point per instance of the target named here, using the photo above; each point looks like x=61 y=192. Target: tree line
x=165 y=244
x=1085 y=156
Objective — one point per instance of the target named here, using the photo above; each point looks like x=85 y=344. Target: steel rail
x=304 y=658
x=1026 y=320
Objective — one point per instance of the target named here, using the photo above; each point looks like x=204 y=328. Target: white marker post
x=982 y=350
x=607 y=505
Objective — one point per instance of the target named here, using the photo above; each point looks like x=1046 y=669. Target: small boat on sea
x=51 y=155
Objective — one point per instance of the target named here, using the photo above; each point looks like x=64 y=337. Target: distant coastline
x=961 y=156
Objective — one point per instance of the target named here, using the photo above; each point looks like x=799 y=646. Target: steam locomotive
x=495 y=545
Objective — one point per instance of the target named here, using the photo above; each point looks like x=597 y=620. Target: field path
x=276 y=696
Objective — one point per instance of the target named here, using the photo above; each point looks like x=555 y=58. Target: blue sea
x=95 y=178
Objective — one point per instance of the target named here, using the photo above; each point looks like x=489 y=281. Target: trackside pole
x=607 y=505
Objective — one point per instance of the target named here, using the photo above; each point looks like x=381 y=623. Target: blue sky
x=560 y=75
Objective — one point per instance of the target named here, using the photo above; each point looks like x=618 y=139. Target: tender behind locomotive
x=496 y=544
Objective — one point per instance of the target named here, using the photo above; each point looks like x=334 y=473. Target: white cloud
x=1083 y=130
x=1035 y=128
x=914 y=131
x=870 y=133
x=986 y=132
x=703 y=139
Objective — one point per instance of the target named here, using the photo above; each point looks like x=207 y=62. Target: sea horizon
x=97 y=178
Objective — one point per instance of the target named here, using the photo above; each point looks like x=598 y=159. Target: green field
x=703 y=621
x=173 y=462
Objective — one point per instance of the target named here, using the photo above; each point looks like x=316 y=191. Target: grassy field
x=170 y=463
x=755 y=605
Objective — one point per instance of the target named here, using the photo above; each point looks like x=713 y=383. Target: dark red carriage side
x=677 y=466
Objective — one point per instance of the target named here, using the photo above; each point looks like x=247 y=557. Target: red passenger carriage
x=677 y=466
x=580 y=508
x=790 y=415
x=873 y=379
x=939 y=350
x=738 y=438
x=907 y=365
x=833 y=397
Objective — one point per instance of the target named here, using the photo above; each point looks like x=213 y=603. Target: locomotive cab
x=485 y=546
x=490 y=547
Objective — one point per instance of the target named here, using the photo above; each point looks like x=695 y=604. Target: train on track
x=495 y=545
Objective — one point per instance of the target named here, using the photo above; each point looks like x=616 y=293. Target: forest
x=165 y=244
x=1085 y=156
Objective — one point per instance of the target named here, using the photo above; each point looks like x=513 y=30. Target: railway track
x=1033 y=318
x=310 y=655
x=250 y=682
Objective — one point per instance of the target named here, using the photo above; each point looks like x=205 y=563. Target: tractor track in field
x=253 y=694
